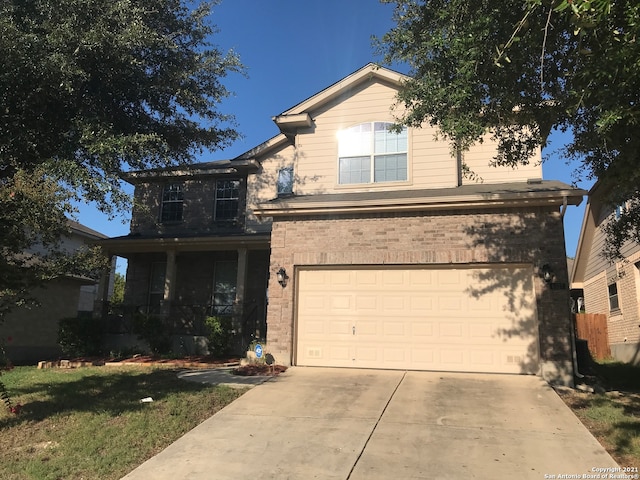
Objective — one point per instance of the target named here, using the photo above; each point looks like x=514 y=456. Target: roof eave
x=417 y=204
x=124 y=246
x=222 y=167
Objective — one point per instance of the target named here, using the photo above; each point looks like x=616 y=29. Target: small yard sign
x=258 y=351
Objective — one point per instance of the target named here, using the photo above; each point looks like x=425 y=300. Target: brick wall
x=534 y=236
x=625 y=328
x=596 y=297
x=198 y=207
x=624 y=323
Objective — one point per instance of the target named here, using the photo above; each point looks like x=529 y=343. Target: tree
x=89 y=89
x=520 y=69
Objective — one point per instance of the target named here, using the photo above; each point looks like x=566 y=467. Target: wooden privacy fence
x=592 y=327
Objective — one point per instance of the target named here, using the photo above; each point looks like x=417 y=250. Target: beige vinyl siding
x=429 y=165
x=479 y=157
x=262 y=186
x=597 y=263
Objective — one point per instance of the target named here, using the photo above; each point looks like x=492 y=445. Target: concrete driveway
x=376 y=424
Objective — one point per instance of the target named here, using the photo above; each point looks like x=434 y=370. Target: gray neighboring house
x=30 y=335
x=609 y=288
x=375 y=250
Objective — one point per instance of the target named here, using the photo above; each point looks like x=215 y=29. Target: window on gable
x=285 y=181
x=371 y=153
x=172 y=203
x=227 y=200
x=613 y=297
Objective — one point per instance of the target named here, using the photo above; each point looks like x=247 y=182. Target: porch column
x=169 y=282
x=241 y=280
x=100 y=305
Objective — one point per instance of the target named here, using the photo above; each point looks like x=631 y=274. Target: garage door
x=462 y=319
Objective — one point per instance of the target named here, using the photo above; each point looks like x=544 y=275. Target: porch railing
x=189 y=319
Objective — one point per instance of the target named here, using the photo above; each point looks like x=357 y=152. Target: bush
x=79 y=337
x=220 y=334
x=155 y=331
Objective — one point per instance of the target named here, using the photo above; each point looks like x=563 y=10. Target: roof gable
x=366 y=73
x=299 y=116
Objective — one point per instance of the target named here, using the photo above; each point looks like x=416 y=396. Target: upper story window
x=285 y=182
x=613 y=297
x=227 y=200
x=172 y=203
x=371 y=153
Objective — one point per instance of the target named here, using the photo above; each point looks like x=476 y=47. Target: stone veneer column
x=169 y=283
x=241 y=280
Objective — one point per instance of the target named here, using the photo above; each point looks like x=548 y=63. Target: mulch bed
x=259 y=369
x=195 y=361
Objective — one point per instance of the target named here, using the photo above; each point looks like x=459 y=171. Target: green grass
x=90 y=423
x=613 y=417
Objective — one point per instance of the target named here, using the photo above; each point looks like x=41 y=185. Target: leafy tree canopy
x=89 y=89
x=573 y=65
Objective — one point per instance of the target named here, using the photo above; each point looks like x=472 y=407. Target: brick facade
x=198 y=208
x=527 y=236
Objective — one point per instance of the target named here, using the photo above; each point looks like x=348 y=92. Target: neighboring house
x=30 y=334
x=610 y=288
x=378 y=252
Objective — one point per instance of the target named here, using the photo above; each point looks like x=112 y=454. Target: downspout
x=564 y=206
x=574 y=355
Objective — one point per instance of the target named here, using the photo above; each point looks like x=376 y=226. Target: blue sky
x=292 y=49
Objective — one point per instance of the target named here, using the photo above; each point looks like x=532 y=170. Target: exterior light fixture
x=546 y=273
x=282 y=277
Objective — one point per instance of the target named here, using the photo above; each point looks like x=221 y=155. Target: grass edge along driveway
x=90 y=422
x=612 y=414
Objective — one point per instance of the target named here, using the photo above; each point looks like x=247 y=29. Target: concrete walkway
x=375 y=424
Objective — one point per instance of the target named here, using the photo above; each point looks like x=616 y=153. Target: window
x=285 y=181
x=172 y=200
x=620 y=210
x=613 y=297
x=156 y=287
x=226 y=200
x=224 y=287
x=371 y=153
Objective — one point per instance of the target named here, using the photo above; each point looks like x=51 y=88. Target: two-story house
x=609 y=287
x=30 y=333
x=193 y=251
x=379 y=252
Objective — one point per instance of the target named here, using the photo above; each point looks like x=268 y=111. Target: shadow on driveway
x=379 y=424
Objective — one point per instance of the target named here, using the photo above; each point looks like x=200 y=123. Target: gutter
x=408 y=205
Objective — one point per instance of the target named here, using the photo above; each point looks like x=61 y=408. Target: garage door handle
x=354 y=330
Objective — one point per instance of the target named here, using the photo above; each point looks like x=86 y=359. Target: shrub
x=79 y=337
x=155 y=331
x=220 y=334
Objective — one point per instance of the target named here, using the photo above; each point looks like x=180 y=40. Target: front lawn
x=90 y=422
x=613 y=417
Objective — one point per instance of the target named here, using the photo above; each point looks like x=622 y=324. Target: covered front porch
x=182 y=281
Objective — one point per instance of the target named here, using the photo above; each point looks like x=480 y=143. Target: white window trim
x=372 y=184
x=222 y=200
x=172 y=201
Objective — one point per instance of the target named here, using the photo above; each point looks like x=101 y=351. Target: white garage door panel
x=480 y=319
